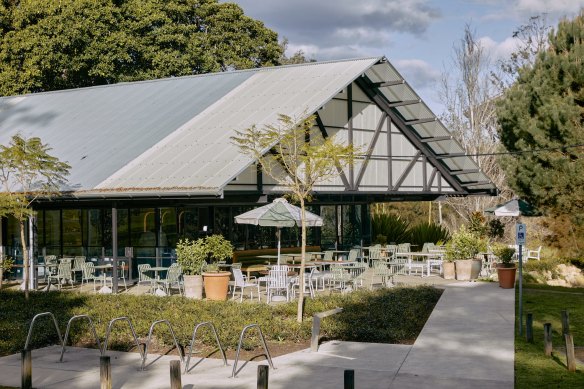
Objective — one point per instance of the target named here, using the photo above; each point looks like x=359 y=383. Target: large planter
x=506 y=277
x=475 y=268
x=193 y=286
x=449 y=270
x=216 y=285
x=463 y=269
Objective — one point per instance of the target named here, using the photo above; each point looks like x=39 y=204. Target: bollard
x=349 y=379
x=547 y=339
x=175 y=379
x=105 y=372
x=263 y=373
x=26 y=382
x=570 y=358
x=565 y=322
x=529 y=328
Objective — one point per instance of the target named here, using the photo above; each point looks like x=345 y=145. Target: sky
x=417 y=36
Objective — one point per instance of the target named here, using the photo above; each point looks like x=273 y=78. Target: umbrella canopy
x=279 y=214
x=514 y=207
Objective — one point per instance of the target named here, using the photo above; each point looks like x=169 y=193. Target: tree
x=468 y=95
x=294 y=155
x=27 y=172
x=296 y=58
x=51 y=45
x=541 y=119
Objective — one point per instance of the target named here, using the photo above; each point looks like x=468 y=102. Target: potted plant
x=462 y=248
x=505 y=268
x=217 y=248
x=191 y=256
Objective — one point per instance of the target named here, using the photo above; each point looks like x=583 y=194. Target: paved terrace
x=468 y=342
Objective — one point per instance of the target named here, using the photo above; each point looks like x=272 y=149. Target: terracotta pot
x=506 y=277
x=449 y=270
x=193 y=286
x=216 y=285
x=463 y=269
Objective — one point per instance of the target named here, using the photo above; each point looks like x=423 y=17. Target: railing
x=26 y=344
x=69 y=327
x=145 y=355
x=316 y=319
x=262 y=339
x=210 y=325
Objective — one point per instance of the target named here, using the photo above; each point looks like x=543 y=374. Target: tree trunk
x=300 y=312
x=25 y=259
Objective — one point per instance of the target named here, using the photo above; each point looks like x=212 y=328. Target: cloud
x=326 y=28
x=417 y=73
x=498 y=50
x=558 y=7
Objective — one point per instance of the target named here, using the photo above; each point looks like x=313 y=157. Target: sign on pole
x=520 y=234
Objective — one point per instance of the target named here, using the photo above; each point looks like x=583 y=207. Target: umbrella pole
x=279 y=233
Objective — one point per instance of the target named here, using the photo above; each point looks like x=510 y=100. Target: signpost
x=520 y=235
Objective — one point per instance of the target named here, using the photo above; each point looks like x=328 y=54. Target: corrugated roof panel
x=98 y=130
x=200 y=153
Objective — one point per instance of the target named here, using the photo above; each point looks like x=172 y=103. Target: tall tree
x=50 y=45
x=295 y=155
x=468 y=95
x=27 y=172
x=541 y=118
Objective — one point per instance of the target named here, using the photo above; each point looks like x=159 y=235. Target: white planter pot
x=193 y=287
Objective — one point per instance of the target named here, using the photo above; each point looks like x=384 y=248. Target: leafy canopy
x=544 y=109
x=51 y=45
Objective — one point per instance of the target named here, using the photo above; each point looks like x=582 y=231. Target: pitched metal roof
x=172 y=136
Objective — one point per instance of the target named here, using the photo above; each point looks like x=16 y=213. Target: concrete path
x=466 y=343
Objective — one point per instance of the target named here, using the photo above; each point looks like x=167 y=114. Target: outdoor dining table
x=103 y=269
x=156 y=269
x=431 y=259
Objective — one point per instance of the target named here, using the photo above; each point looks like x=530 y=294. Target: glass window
x=168 y=228
x=51 y=231
x=72 y=231
x=188 y=223
x=329 y=226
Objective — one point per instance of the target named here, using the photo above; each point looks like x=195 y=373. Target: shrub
x=504 y=254
x=428 y=232
x=464 y=245
x=393 y=227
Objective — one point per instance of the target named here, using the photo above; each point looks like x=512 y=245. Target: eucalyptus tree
x=298 y=161
x=27 y=172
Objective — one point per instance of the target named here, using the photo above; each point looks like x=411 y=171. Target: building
x=158 y=156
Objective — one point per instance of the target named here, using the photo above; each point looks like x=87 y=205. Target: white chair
x=278 y=281
x=77 y=266
x=144 y=275
x=88 y=273
x=63 y=274
x=340 y=278
x=121 y=275
x=534 y=254
x=308 y=283
x=242 y=282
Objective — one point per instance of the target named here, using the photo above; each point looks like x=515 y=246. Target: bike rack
x=69 y=327
x=263 y=340
x=210 y=325
x=145 y=355
x=107 y=334
x=32 y=324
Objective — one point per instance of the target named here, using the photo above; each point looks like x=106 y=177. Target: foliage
x=505 y=254
x=27 y=172
x=191 y=255
x=464 y=245
x=540 y=120
x=394 y=315
x=495 y=229
x=390 y=226
x=477 y=224
x=544 y=265
x=218 y=249
x=428 y=232
x=51 y=45
x=297 y=159
x=532 y=368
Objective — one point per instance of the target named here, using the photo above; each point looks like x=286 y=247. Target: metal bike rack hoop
x=32 y=324
x=69 y=327
x=109 y=327
x=210 y=325
x=262 y=339
x=145 y=355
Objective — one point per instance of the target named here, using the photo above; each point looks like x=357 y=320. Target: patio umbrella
x=513 y=207
x=278 y=213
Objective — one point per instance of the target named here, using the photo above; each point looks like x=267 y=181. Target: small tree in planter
x=191 y=256
x=462 y=248
x=505 y=268
x=217 y=248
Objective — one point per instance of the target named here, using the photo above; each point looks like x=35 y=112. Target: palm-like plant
x=390 y=226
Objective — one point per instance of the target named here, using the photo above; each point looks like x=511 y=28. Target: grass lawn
x=532 y=368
